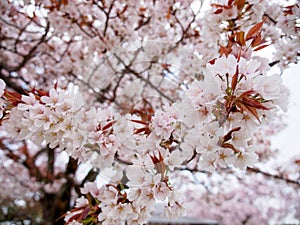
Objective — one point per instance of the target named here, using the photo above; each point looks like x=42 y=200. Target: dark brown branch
x=10 y=83
x=50 y=164
x=83 y=30
x=107 y=18
x=91 y=176
x=270 y=18
x=72 y=166
x=32 y=50
x=10 y=80
x=19 y=36
x=17 y=27
x=250 y=170
x=121 y=161
x=274 y=176
x=274 y=63
x=184 y=30
x=142 y=23
x=28 y=163
x=129 y=70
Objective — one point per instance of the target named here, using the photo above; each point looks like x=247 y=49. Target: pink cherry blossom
x=161 y=97
x=223 y=66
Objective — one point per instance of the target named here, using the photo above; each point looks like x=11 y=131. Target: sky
x=287 y=140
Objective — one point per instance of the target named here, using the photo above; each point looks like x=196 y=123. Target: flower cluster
x=225 y=108
x=239 y=97
x=58 y=119
x=129 y=202
x=194 y=99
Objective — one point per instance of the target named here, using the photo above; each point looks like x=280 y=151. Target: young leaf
x=260 y=47
x=239 y=4
x=254 y=30
x=240 y=36
x=228 y=136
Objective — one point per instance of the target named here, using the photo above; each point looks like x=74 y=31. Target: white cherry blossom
x=223 y=65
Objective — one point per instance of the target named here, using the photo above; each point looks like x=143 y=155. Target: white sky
x=287 y=140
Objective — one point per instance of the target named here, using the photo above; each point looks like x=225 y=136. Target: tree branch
x=250 y=170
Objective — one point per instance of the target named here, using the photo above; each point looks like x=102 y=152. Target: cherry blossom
x=140 y=91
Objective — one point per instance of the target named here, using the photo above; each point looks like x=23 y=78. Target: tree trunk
x=56 y=204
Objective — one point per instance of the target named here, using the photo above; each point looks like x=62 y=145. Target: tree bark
x=55 y=205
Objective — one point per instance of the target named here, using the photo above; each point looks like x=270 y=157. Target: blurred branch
x=50 y=165
x=249 y=170
x=129 y=70
x=274 y=176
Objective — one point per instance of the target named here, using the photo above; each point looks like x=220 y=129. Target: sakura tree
x=240 y=198
x=135 y=91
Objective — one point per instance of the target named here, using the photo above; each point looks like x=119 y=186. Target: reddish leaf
x=234 y=80
x=146 y=130
x=240 y=36
x=39 y=93
x=169 y=13
x=239 y=4
x=212 y=61
x=229 y=101
x=13 y=97
x=256 y=40
x=254 y=30
x=55 y=85
x=64 y=2
x=254 y=103
x=248 y=102
x=139 y=121
x=227 y=145
x=228 y=6
x=228 y=136
x=230 y=2
x=108 y=125
x=143 y=9
x=245 y=108
x=239 y=54
x=218 y=11
x=159 y=164
x=288 y=10
x=157 y=159
x=196 y=33
x=260 y=47
x=225 y=50
x=248 y=93
x=217 y=5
